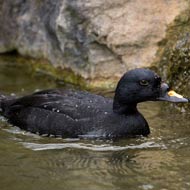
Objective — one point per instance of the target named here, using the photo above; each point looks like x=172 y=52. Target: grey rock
x=96 y=39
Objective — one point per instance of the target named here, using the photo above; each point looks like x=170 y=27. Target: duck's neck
x=124 y=108
x=135 y=123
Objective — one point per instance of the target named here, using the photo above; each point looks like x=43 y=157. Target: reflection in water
x=28 y=161
x=156 y=162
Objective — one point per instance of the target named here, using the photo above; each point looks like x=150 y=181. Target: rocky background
x=98 y=40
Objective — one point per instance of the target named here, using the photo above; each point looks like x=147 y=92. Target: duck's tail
x=2 y=98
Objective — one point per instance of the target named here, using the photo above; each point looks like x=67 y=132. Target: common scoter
x=69 y=113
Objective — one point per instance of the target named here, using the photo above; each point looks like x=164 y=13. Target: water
x=28 y=161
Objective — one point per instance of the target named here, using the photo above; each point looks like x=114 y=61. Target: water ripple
x=102 y=147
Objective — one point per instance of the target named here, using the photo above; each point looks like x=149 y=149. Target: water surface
x=27 y=161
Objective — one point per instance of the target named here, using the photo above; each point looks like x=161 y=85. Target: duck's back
x=57 y=112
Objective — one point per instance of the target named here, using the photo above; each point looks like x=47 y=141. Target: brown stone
x=96 y=39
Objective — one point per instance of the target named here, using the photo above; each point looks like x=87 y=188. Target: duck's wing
x=56 y=111
x=76 y=104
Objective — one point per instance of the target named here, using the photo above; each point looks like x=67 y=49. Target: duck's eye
x=144 y=82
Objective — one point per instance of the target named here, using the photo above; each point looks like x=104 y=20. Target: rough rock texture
x=97 y=39
x=173 y=56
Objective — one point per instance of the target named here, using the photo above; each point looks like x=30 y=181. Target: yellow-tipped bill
x=173 y=93
x=170 y=95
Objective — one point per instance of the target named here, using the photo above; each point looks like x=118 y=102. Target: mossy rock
x=174 y=56
x=58 y=75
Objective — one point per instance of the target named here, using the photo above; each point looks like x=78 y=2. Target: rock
x=98 y=40
x=173 y=56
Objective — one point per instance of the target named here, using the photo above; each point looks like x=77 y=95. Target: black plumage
x=69 y=113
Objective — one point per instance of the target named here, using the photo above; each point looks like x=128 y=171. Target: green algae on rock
x=173 y=58
x=57 y=75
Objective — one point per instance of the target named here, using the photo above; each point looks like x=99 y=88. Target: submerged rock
x=98 y=40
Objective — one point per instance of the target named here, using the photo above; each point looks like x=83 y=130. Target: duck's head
x=139 y=85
